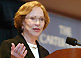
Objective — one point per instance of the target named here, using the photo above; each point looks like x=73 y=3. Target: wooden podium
x=66 y=53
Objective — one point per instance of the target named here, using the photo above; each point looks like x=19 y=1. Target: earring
x=22 y=28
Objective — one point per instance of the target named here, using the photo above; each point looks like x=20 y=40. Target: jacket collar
x=29 y=52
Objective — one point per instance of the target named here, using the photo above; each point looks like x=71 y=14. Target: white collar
x=32 y=45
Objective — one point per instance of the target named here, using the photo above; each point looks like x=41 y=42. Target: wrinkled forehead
x=36 y=11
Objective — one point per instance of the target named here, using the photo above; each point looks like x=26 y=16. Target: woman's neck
x=29 y=38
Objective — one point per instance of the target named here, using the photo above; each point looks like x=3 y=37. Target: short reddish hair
x=26 y=9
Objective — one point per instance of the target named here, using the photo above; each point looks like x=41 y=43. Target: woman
x=30 y=20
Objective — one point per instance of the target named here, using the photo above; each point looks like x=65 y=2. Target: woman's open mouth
x=36 y=29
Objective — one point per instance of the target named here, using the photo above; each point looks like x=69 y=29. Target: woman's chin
x=36 y=34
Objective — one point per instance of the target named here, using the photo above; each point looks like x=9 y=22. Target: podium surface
x=66 y=53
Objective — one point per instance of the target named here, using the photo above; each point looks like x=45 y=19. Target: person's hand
x=18 y=51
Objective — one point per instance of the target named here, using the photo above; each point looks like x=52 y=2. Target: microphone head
x=71 y=41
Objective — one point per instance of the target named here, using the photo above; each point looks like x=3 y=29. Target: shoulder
x=9 y=41
x=15 y=40
x=42 y=49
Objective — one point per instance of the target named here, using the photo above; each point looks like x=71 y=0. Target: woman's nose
x=37 y=23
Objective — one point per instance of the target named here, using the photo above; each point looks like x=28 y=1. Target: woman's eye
x=32 y=18
x=41 y=19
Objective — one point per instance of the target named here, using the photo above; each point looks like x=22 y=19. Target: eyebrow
x=35 y=16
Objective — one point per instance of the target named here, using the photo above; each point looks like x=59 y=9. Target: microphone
x=73 y=41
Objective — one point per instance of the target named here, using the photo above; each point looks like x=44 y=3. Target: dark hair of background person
x=8 y=8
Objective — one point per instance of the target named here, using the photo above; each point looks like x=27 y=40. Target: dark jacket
x=6 y=48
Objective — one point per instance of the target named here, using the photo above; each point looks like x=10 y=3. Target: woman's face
x=34 y=22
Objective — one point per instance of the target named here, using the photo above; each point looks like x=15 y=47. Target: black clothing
x=8 y=8
x=6 y=48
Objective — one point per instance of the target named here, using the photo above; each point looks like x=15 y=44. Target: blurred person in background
x=8 y=8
